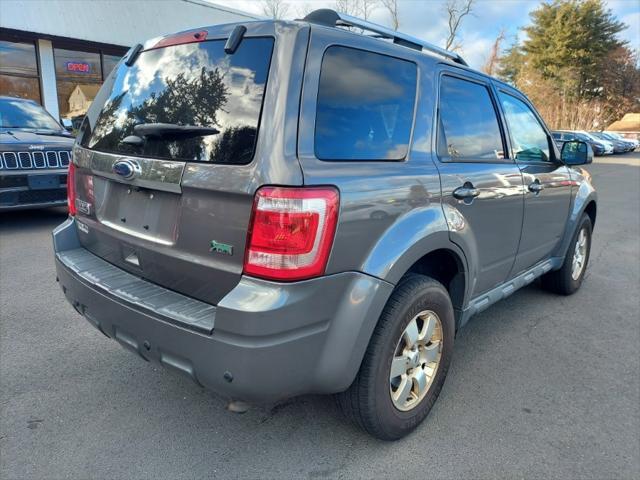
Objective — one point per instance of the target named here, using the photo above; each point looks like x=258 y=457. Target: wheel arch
x=447 y=267
x=585 y=202
x=591 y=209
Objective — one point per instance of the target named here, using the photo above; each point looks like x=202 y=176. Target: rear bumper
x=269 y=340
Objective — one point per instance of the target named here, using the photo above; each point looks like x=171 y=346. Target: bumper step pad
x=138 y=293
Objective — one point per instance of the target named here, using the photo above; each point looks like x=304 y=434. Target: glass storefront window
x=19 y=70
x=108 y=63
x=79 y=76
x=23 y=87
x=78 y=79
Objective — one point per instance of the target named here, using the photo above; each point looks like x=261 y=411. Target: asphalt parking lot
x=541 y=386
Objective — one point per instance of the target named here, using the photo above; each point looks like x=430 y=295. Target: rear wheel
x=406 y=361
x=569 y=278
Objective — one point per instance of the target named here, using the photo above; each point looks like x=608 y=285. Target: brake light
x=181 y=39
x=291 y=232
x=71 y=188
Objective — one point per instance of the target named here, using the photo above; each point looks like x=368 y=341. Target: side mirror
x=576 y=152
x=67 y=124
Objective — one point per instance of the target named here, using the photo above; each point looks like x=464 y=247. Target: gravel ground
x=541 y=386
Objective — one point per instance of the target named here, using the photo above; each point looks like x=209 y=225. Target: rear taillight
x=71 y=189
x=181 y=38
x=291 y=232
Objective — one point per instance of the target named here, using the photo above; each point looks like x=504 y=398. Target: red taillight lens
x=71 y=189
x=181 y=38
x=291 y=232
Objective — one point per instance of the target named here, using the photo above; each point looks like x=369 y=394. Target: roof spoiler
x=331 y=18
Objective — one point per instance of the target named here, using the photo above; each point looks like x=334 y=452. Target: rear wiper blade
x=172 y=130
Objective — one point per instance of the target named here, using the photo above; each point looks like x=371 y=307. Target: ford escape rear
x=281 y=208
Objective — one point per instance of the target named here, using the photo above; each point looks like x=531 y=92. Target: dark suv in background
x=34 y=156
x=281 y=208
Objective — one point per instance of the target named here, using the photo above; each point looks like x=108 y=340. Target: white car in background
x=608 y=146
x=635 y=141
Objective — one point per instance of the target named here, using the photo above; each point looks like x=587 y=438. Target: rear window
x=365 y=106
x=468 y=128
x=190 y=84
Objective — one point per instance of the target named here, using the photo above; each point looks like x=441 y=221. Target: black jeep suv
x=34 y=156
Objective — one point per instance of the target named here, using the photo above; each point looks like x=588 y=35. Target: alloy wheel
x=579 y=255
x=416 y=360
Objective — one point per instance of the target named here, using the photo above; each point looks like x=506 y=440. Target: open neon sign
x=78 y=67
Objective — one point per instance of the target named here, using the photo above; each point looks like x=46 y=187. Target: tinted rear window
x=365 y=106
x=468 y=129
x=191 y=84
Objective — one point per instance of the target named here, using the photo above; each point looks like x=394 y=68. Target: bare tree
x=490 y=66
x=276 y=9
x=303 y=9
x=392 y=7
x=350 y=7
x=367 y=7
x=456 y=11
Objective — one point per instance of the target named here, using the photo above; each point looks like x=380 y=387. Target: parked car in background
x=275 y=209
x=586 y=137
x=634 y=141
x=34 y=156
x=629 y=142
x=599 y=147
x=562 y=136
x=619 y=146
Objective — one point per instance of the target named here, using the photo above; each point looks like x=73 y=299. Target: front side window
x=194 y=84
x=19 y=70
x=468 y=125
x=365 y=106
x=529 y=140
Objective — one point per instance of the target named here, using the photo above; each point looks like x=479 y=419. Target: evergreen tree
x=566 y=64
x=575 y=35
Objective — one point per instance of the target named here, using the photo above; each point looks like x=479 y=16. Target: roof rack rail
x=331 y=18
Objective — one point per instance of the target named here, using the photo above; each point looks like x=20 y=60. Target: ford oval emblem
x=124 y=168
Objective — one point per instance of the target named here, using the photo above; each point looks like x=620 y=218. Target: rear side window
x=365 y=106
x=530 y=141
x=189 y=84
x=468 y=129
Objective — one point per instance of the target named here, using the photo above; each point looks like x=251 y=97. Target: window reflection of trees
x=186 y=99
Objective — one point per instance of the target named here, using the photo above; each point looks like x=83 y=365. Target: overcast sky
x=426 y=19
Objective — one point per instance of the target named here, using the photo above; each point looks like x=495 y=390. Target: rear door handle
x=536 y=186
x=466 y=192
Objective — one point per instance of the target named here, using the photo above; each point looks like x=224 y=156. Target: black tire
x=368 y=402
x=561 y=281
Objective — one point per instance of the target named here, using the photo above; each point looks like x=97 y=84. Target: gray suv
x=284 y=208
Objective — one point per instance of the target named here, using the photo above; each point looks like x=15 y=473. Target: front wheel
x=569 y=278
x=406 y=361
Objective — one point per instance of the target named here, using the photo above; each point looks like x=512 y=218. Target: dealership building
x=58 y=52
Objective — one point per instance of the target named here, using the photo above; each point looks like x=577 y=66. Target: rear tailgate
x=176 y=210
x=180 y=234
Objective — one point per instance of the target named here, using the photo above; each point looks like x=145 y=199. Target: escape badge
x=219 y=247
